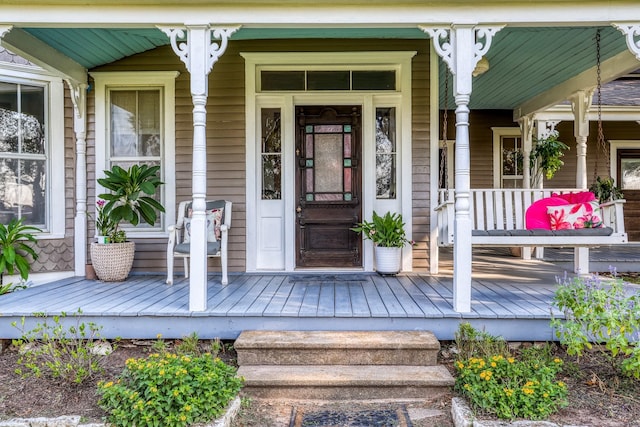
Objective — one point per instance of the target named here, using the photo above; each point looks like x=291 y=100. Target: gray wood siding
x=226 y=174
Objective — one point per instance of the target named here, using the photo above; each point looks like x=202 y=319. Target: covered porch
x=508 y=298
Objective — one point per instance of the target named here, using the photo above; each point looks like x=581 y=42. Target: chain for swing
x=602 y=145
x=443 y=151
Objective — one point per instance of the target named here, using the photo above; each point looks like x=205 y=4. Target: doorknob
x=299 y=209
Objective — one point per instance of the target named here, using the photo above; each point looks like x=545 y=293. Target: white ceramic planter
x=388 y=260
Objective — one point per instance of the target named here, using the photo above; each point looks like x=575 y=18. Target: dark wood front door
x=328 y=186
x=628 y=180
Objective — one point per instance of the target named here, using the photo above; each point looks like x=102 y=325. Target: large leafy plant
x=15 y=248
x=130 y=198
x=545 y=158
x=386 y=231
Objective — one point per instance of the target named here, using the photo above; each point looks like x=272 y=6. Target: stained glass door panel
x=328 y=185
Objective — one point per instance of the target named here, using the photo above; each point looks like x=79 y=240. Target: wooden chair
x=217 y=236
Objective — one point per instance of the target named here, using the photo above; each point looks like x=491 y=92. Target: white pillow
x=211 y=230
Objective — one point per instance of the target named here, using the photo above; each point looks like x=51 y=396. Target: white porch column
x=526 y=128
x=580 y=104
x=199 y=53
x=461 y=47
x=78 y=97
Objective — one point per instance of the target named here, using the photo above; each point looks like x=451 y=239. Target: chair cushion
x=185 y=248
x=574 y=216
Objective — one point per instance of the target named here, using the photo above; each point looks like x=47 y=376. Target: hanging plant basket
x=112 y=262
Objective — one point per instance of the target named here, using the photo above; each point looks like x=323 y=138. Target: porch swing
x=498 y=216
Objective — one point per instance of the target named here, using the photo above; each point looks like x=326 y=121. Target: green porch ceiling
x=524 y=62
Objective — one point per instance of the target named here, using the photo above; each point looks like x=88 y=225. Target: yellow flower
x=494 y=364
x=187 y=408
x=159 y=336
x=109 y=384
x=527 y=390
x=511 y=360
x=545 y=394
x=508 y=392
x=460 y=365
x=467 y=386
x=561 y=384
x=529 y=383
x=557 y=360
x=161 y=373
x=175 y=393
x=183 y=418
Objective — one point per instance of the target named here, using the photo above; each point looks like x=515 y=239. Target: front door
x=629 y=181
x=328 y=186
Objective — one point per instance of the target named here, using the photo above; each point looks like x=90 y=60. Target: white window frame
x=105 y=81
x=55 y=142
x=498 y=133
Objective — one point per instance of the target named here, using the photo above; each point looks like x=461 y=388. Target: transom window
x=343 y=80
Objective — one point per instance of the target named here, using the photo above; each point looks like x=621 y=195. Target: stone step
x=419 y=348
x=345 y=382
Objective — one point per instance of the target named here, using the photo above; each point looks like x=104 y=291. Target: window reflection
x=386 y=153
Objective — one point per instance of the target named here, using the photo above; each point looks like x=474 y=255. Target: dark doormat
x=398 y=417
x=329 y=278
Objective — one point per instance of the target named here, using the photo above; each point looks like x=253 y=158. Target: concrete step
x=345 y=382
x=418 y=348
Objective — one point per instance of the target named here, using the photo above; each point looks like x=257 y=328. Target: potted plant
x=606 y=190
x=545 y=158
x=14 y=251
x=129 y=201
x=389 y=237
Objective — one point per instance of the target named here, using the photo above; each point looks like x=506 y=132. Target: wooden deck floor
x=510 y=298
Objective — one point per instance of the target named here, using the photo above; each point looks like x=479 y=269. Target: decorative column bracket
x=632 y=33
x=546 y=128
x=444 y=43
x=180 y=44
x=581 y=102
x=78 y=97
x=4 y=29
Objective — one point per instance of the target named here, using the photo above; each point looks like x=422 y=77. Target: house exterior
x=308 y=117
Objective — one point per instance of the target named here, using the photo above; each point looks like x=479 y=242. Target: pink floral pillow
x=580 y=197
x=578 y=215
x=537 y=215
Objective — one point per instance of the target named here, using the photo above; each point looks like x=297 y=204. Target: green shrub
x=169 y=390
x=63 y=353
x=600 y=312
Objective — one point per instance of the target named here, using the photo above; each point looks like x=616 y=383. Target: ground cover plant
x=504 y=385
x=170 y=388
x=70 y=354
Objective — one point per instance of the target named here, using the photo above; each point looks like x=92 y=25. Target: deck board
x=519 y=308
